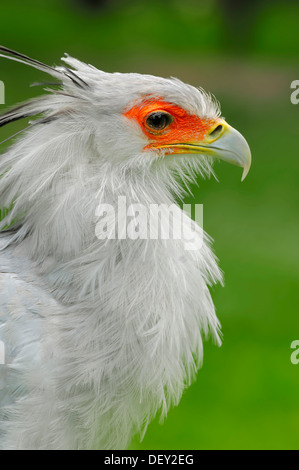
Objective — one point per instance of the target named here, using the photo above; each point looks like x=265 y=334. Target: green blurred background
x=246 y=53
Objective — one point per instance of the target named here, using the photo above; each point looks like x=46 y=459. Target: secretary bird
x=100 y=333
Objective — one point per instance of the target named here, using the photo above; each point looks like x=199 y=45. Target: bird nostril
x=217 y=131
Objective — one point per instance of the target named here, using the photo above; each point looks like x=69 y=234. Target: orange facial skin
x=184 y=128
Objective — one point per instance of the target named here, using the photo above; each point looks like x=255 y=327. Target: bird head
x=134 y=119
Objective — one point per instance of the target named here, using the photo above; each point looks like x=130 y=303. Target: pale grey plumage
x=99 y=336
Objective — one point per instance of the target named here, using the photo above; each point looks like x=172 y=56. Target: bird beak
x=222 y=141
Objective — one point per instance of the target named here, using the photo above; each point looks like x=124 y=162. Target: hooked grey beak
x=230 y=146
x=223 y=142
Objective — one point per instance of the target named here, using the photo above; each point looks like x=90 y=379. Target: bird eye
x=158 y=121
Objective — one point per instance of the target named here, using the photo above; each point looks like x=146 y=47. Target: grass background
x=246 y=394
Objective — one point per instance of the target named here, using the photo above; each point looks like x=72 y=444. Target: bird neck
x=60 y=229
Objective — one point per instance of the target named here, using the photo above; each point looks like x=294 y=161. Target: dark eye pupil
x=158 y=121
